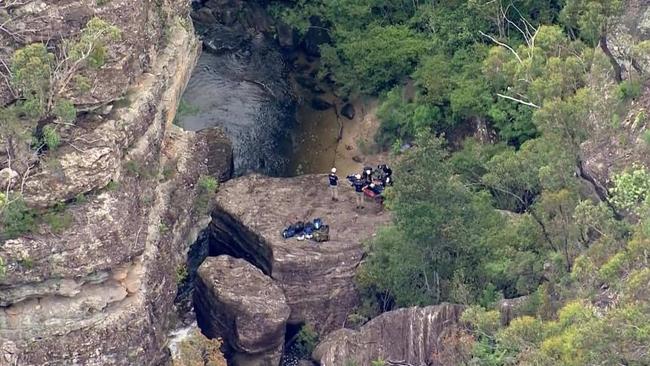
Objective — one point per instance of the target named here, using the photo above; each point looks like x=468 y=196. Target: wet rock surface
x=220 y=165
x=410 y=336
x=317 y=278
x=236 y=301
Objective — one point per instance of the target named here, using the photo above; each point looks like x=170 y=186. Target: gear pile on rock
x=315 y=230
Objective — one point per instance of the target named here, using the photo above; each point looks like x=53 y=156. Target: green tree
x=373 y=60
x=44 y=79
x=631 y=191
x=440 y=228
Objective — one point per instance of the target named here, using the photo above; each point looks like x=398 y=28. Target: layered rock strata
x=410 y=336
x=100 y=290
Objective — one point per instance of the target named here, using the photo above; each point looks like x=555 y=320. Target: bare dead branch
x=502 y=45
x=518 y=100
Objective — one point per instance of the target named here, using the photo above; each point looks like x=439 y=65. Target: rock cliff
x=317 y=278
x=616 y=136
x=99 y=290
x=410 y=336
x=145 y=26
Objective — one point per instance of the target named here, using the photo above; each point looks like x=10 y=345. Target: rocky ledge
x=317 y=278
x=411 y=336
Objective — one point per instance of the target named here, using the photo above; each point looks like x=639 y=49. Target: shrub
x=44 y=78
x=65 y=111
x=26 y=262
x=185 y=109
x=306 y=341
x=207 y=187
x=58 y=218
x=629 y=89
x=181 y=274
x=80 y=198
x=15 y=219
x=631 y=189
x=51 y=138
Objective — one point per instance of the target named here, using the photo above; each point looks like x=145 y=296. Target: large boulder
x=317 y=278
x=348 y=111
x=220 y=164
x=236 y=301
x=412 y=336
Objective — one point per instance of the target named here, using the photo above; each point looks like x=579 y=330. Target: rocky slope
x=616 y=136
x=100 y=289
x=317 y=278
x=410 y=336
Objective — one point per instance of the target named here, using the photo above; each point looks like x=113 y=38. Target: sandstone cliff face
x=100 y=291
x=317 y=278
x=410 y=336
x=144 y=25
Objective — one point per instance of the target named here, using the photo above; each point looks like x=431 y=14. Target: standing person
x=366 y=175
x=334 y=184
x=358 y=185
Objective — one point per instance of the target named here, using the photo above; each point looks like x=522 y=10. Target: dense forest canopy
x=475 y=222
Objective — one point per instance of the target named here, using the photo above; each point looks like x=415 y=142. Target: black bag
x=299 y=226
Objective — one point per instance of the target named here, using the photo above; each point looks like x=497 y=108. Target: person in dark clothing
x=366 y=175
x=387 y=175
x=375 y=188
x=359 y=183
x=334 y=184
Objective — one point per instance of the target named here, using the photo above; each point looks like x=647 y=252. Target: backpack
x=322 y=234
x=288 y=232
